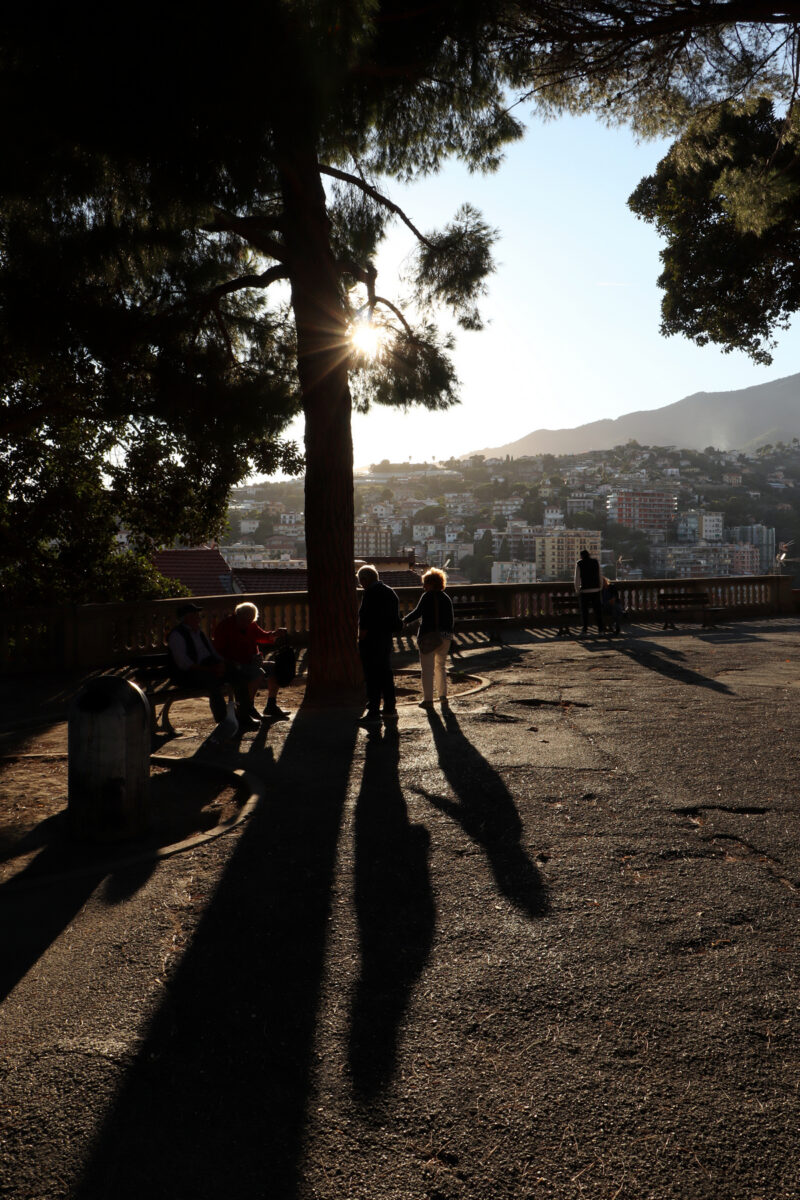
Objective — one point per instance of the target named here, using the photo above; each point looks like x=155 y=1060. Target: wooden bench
x=687 y=605
x=480 y=616
x=151 y=673
x=567 y=610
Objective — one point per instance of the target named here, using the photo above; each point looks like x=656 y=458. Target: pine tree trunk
x=334 y=669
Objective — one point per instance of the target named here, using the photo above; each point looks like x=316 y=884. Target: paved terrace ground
x=543 y=945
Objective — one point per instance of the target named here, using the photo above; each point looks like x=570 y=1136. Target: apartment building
x=581 y=502
x=712 y=526
x=372 y=541
x=553 y=551
x=553 y=517
x=745 y=559
x=705 y=558
x=696 y=526
x=422 y=532
x=557 y=551
x=506 y=508
x=646 y=510
x=513 y=572
x=762 y=536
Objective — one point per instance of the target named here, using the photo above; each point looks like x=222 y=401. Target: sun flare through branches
x=366 y=338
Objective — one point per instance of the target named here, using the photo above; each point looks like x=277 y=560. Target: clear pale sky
x=573 y=308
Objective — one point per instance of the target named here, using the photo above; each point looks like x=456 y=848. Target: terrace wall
x=97 y=636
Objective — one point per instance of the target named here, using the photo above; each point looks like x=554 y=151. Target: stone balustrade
x=93 y=636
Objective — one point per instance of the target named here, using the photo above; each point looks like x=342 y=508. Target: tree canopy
x=188 y=237
x=722 y=77
x=727 y=200
x=187 y=244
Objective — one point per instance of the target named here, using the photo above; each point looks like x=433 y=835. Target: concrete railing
x=91 y=636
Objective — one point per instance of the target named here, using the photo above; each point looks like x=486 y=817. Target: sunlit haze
x=366 y=338
x=572 y=311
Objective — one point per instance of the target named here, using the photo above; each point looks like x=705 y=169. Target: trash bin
x=109 y=761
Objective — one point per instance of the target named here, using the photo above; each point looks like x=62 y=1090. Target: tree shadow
x=486 y=811
x=32 y=918
x=395 y=911
x=215 y=1102
x=662 y=660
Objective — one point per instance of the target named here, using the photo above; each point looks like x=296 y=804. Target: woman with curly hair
x=435 y=614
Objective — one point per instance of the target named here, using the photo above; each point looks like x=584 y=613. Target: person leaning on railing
x=435 y=614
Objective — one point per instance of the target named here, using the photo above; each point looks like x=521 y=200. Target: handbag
x=430 y=641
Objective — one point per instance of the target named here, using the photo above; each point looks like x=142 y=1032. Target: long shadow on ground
x=395 y=911
x=39 y=901
x=215 y=1104
x=30 y=921
x=485 y=809
x=663 y=661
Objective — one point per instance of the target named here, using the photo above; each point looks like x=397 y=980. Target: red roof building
x=275 y=579
x=269 y=579
x=204 y=572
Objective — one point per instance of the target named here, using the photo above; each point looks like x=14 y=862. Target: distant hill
x=741 y=420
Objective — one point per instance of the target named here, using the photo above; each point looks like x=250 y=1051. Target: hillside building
x=696 y=526
x=513 y=572
x=553 y=517
x=763 y=537
x=646 y=510
x=372 y=541
x=704 y=559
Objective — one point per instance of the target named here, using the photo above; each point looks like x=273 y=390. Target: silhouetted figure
x=612 y=605
x=588 y=585
x=435 y=614
x=378 y=622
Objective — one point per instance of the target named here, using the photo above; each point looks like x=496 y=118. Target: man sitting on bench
x=195 y=664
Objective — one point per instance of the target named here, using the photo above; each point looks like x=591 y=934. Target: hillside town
x=645 y=511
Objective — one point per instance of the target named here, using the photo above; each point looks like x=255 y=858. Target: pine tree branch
x=251 y=229
x=271 y=275
x=365 y=275
x=368 y=190
x=398 y=314
x=628 y=22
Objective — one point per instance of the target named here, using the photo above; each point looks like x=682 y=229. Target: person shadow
x=667 y=662
x=395 y=912
x=486 y=811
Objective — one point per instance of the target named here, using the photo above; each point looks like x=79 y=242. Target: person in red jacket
x=238 y=639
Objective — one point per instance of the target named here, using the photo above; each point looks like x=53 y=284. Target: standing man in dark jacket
x=588 y=585
x=378 y=622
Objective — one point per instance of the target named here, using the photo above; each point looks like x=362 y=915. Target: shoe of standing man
x=273 y=713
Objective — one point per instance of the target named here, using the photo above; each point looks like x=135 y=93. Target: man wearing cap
x=194 y=663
